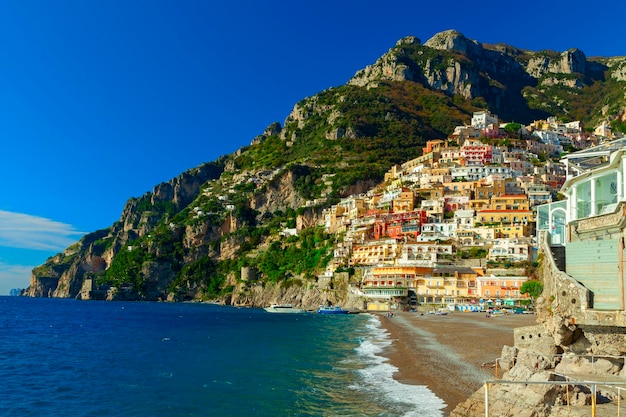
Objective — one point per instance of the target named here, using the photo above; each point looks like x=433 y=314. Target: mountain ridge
x=190 y=237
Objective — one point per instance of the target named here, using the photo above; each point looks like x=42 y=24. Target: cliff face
x=337 y=290
x=190 y=237
x=172 y=228
x=63 y=275
x=506 y=77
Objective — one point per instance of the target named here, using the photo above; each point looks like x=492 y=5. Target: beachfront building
x=455 y=285
x=392 y=287
x=496 y=291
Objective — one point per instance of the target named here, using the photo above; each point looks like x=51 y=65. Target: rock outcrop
x=456 y=65
x=63 y=275
x=332 y=290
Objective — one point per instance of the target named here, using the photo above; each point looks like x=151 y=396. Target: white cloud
x=14 y=276
x=24 y=231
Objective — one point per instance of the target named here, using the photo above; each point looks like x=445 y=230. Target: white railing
x=593 y=385
x=610 y=382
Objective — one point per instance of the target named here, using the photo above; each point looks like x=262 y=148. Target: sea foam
x=377 y=377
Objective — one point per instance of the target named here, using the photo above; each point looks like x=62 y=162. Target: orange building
x=496 y=290
x=399 y=225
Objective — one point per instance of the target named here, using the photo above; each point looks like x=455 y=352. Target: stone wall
x=535 y=338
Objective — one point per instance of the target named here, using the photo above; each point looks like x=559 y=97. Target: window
x=583 y=199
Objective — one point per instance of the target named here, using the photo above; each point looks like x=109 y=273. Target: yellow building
x=447 y=286
x=392 y=287
x=375 y=253
x=488 y=190
x=510 y=202
x=405 y=201
x=504 y=216
x=513 y=230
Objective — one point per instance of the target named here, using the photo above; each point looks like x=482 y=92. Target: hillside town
x=456 y=227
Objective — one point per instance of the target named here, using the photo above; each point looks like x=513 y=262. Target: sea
x=62 y=357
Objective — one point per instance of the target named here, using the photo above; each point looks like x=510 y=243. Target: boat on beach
x=331 y=310
x=283 y=308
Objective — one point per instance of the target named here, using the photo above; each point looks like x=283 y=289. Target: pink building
x=477 y=153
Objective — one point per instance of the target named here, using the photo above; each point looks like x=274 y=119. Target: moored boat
x=283 y=308
x=332 y=310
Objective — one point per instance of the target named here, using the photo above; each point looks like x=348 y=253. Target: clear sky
x=102 y=100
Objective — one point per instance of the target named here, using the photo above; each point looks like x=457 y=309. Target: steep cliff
x=516 y=84
x=63 y=275
x=191 y=237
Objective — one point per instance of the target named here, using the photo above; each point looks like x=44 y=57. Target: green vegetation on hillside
x=390 y=124
x=334 y=143
x=306 y=253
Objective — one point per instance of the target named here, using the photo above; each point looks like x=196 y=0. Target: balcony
x=385 y=292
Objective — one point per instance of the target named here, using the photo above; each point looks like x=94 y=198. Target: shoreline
x=447 y=353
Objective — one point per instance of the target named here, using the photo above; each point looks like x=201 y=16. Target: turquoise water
x=91 y=358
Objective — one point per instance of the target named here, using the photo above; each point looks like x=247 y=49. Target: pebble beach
x=450 y=354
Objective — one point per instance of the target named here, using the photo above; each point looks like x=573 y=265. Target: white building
x=513 y=250
x=475 y=173
x=482 y=119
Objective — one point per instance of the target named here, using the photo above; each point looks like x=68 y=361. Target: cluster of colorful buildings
x=445 y=228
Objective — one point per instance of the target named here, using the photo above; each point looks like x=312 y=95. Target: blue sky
x=102 y=100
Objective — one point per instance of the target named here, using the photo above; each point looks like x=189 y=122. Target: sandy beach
x=447 y=353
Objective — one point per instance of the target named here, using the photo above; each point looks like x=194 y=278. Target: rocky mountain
x=516 y=84
x=214 y=232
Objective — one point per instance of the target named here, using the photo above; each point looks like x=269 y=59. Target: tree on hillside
x=512 y=128
x=533 y=288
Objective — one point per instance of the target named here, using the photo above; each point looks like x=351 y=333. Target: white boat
x=332 y=310
x=283 y=308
